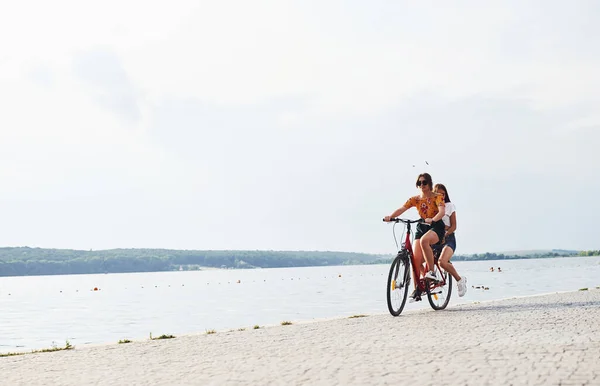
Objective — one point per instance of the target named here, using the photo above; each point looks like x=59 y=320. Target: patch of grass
x=286 y=323
x=241 y=329
x=357 y=316
x=210 y=332
x=68 y=346
x=583 y=289
x=163 y=336
x=256 y=327
x=121 y=341
x=12 y=354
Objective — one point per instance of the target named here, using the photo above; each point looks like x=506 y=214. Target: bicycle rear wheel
x=438 y=294
x=397 y=283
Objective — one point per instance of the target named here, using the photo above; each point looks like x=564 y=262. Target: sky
x=297 y=125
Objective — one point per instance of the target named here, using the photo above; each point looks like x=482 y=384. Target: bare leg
x=429 y=238
x=445 y=257
x=418 y=262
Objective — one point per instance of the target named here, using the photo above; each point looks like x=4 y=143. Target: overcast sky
x=295 y=125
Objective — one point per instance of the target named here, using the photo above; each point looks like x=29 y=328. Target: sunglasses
x=422 y=182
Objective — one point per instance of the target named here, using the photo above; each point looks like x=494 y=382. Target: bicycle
x=438 y=292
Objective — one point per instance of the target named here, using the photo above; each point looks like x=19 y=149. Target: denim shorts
x=450 y=241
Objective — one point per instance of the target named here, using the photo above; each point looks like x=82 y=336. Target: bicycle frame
x=421 y=282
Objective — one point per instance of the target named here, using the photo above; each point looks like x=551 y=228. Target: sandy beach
x=547 y=340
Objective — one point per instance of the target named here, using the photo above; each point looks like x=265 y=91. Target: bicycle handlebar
x=405 y=221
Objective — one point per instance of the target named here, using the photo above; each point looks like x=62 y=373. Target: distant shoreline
x=25 y=261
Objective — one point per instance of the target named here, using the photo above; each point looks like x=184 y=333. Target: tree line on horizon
x=24 y=261
x=20 y=261
x=590 y=253
x=502 y=256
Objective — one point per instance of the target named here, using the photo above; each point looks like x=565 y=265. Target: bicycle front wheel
x=397 y=283
x=439 y=293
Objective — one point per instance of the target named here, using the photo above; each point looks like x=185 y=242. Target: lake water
x=37 y=311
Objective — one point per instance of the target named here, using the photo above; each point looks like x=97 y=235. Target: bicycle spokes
x=397 y=288
x=438 y=293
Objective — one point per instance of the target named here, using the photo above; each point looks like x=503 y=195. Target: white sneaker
x=432 y=276
x=462 y=286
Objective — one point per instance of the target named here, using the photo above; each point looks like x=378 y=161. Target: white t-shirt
x=450 y=208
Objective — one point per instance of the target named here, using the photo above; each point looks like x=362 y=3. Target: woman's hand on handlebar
x=428 y=220
x=387 y=218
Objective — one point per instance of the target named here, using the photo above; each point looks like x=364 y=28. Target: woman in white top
x=449 y=242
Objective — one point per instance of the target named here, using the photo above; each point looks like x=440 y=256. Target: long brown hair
x=441 y=186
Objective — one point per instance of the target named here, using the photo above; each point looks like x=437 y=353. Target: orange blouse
x=427 y=207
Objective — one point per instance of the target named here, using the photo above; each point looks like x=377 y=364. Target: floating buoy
x=340 y=275
x=95 y=288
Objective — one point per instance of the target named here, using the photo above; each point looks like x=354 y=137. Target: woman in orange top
x=431 y=208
